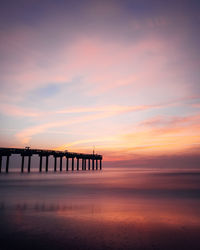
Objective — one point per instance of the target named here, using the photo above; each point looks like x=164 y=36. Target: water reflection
x=110 y=210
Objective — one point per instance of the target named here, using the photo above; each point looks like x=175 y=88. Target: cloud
x=171 y=122
x=179 y=135
x=196 y=105
x=105 y=65
x=99 y=113
x=161 y=134
x=102 y=64
x=13 y=110
x=87 y=142
x=111 y=108
x=151 y=138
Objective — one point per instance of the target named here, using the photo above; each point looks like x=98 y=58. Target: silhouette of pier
x=45 y=154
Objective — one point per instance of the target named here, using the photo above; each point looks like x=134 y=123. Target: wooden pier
x=44 y=154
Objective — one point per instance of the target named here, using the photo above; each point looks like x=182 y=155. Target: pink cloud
x=102 y=65
x=196 y=105
x=171 y=121
x=13 y=110
x=118 y=109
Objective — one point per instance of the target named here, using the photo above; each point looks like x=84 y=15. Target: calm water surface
x=117 y=208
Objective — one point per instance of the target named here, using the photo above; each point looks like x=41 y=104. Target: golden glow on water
x=131 y=211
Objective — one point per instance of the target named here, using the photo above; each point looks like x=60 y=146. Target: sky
x=122 y=76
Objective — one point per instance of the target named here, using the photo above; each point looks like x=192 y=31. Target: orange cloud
x=160 y=136
x=156 y=136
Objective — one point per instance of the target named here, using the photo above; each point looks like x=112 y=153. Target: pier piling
x=40 y=168
x=61 y=163
x=47 y=163
x=55 y=163
x=0 y=162
x=7 y=163
x=29 y=163
x=82 y=164
x=72 y=163
x=67 y=163
x=96 y=164
x=77 y=164
x=93 y=164
x=22 y=166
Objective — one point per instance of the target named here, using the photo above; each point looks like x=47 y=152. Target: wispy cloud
x=99 y=113
x=162 y=135
x=14 y=110
x=157 y=136
x=117 y=109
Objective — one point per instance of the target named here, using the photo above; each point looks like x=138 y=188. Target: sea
x=115 y=208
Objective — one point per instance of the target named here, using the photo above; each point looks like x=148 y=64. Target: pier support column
x=72 y=163
x=82 y=164
x=67 y=163
x=47 y=163
x=22 y=166
x=29 y=163
x=61 y=163
x=96 y=164
x=0 y=162
x=7 y=163
x=77 y=163
x=55 y=163
x=88 y=164
x=92 y=164
x=40 y=163
x=100 y=164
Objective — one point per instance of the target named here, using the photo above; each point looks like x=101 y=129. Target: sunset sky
x=120 y=75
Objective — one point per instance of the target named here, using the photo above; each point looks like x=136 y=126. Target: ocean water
x=116 y=208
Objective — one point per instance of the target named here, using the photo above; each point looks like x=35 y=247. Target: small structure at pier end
x=42 y=153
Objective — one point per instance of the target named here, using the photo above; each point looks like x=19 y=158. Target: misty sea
x=116 y=208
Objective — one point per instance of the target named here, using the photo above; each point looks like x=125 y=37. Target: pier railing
x=45 y=153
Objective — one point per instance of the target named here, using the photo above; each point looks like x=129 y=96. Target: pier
x=44 y=154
